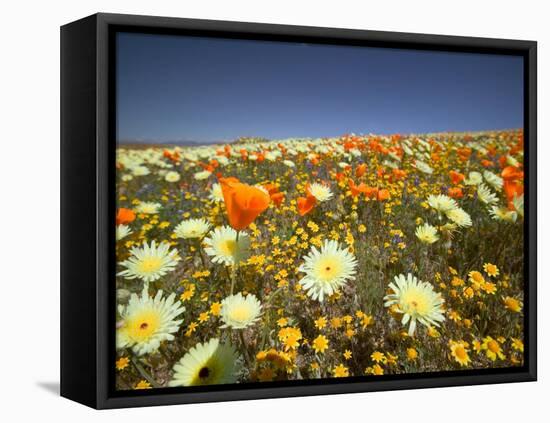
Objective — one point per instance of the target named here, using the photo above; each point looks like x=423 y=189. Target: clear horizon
x=179 y=88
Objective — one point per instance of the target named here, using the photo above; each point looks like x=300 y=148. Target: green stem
x=234 y=269
x=233 y=272
x=200 y=253
x=245 y=349
x=144 y=373
x=271 y=296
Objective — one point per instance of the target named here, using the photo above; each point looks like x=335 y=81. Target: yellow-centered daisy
x=224 y=248
x=427 y=233
x=211 y=363
x=149 y=262
x=416 y=300
x=327 y=270
x=146 y=322
x=192 y=228
x=240 y=311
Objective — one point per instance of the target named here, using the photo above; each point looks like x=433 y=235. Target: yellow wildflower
x=320 y=344
x=122 y=363
x=491 y=269
x=340 y=371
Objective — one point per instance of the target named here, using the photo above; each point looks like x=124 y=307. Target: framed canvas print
x=257 y=211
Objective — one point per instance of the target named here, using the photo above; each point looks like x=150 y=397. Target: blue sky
x=173 y=88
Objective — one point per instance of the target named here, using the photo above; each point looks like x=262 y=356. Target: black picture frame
x=87 y=208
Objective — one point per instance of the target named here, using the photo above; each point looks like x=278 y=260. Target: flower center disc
x=229 y=247
x=460 y=353
x=143 y=326
x=493 y=346
x=240 y=314
x=415 y=304
x=150 y=265
x=204 y=373
x=328 y=269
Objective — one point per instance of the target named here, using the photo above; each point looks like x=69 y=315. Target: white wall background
x=29 y=195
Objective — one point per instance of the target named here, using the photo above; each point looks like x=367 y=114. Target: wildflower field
x=272 y=260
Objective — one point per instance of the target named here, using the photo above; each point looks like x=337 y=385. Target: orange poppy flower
x=339 y=176
x=383 y=195
x=371 y=192
x=270 y=188
x=305 y=204
x=398 y=174
x=455 y=192
x=357 y=189
x=456 y=177
x=464 y=153
x=511 y=173
x=361 y=169
x=175 y=157
x=492 y=150
x=243 y=202
x=124 y=216
x=278 y=198
x=512 y=189
x=226 y=151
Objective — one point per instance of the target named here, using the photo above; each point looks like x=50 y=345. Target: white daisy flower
x=122 y=231
x=172 y=176
x=222 y=160
x=474 y=178
x=512 y=161
x=149 y=262
x=459 y=217
x=416 y=300
x=146 y=207
x=503 y=214
x=494 y=180
x=423 y=167
x=518 y=204
x=427 y=233
x=442 y=203
x=320 y=192
x=216 y=193
x=211 y=363
x=140 y=171
x=238 y=312
x=222 y=245
x=146 y=322
x=327 y=270
x=192 y=228
x=407 y=150
x=270 y=156
x=289 y=163
x=485 y=195
x=203 y=174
